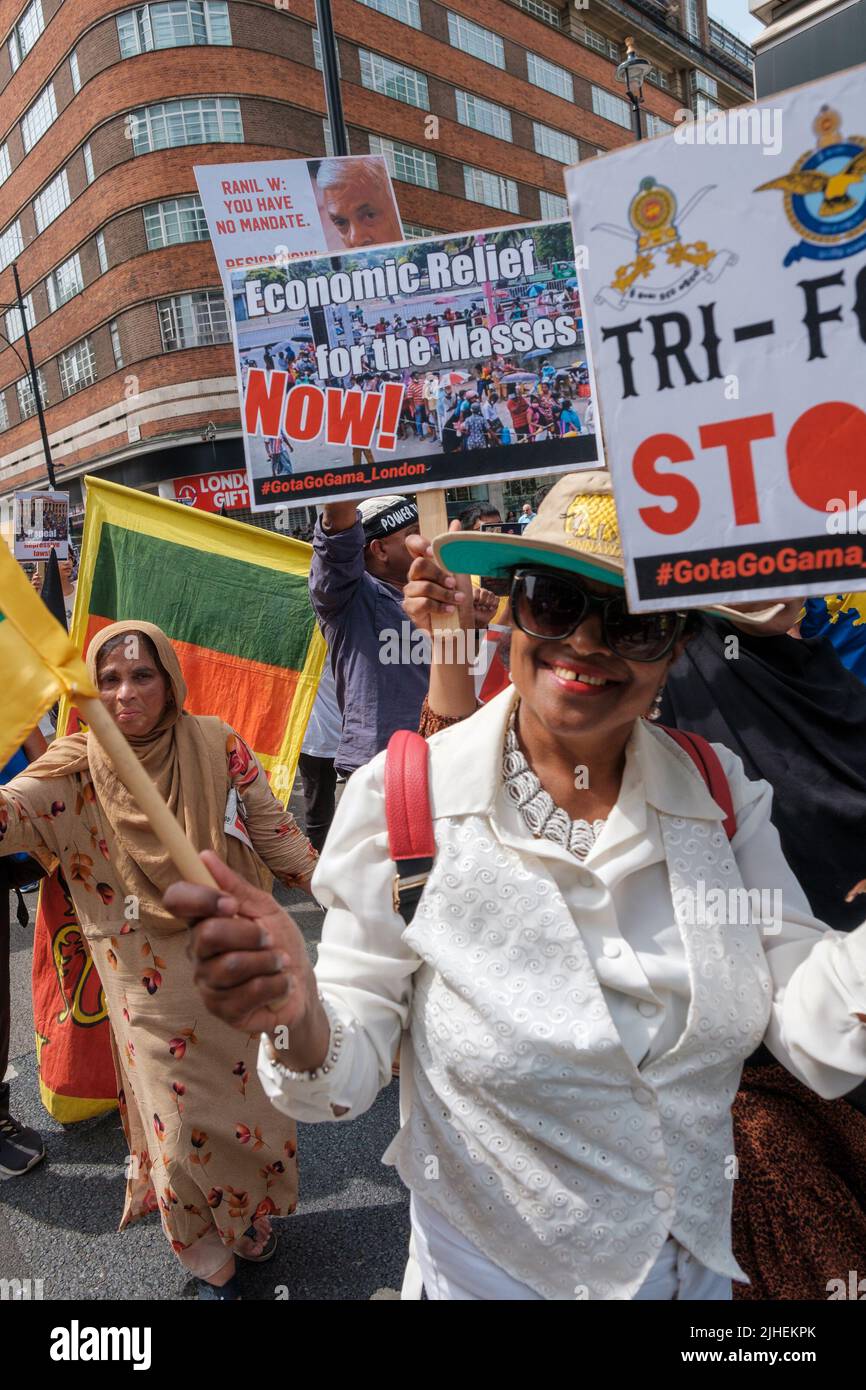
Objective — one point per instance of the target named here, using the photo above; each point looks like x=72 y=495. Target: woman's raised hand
x=251 y=964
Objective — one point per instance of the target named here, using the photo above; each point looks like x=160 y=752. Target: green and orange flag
x=233 y=600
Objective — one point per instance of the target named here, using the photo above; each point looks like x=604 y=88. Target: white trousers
x=452 y=1269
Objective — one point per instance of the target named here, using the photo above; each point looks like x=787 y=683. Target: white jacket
x=576 y=1039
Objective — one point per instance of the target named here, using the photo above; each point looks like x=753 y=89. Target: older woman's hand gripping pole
x=39 y=664
x=251 y=964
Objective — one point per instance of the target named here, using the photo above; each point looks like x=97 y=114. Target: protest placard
x=270 y=211
x=425 y=364
x=725 y=284
x=40 y=522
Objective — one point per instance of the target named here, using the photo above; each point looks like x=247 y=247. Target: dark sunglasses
x=551 y=606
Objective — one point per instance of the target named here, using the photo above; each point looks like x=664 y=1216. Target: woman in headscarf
x=206 y=1147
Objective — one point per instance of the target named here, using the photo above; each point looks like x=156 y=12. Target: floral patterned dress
x=207 y=1149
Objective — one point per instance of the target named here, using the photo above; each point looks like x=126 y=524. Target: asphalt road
x=58 y=1223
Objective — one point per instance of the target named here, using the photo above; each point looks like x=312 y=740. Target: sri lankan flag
x=232 y=599
x=38 y=663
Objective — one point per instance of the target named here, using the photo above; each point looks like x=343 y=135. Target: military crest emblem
x=825 y=194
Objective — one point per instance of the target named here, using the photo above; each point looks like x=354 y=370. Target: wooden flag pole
x=135 y=779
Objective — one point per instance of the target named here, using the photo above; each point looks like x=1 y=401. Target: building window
x=87 y=152
x=64 y=283
x=491 y=189
x=193 y=320
x=317 y=54
x=73 y=71
x=659 y=79
x=549 y=77
x=656 y=126
x=393 y=80
x=329 y=142
x=11 y=244
x=176 y=219
x=5 y=165
x=477 y=42
x=4 y=412
x=723 y=39
x=540 y=8
x=41 y=115
x=485 y=116
x=25 y=33
x=701 y=82
x=51 y=201
x=693 y=20
x=77 y=367
x=407 y=11
x=555 y=144
x=406 y=163
x=14 y=326
x=173 y=25
x=208 y=120
x=413 y=231
x=704 y=106
x=600 y=43
x=115 y=344
x=612 y=108
x=101 y=252
x=26 y=398
x=553 y=206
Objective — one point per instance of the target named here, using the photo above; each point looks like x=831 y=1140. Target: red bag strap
x=407 y=798
x=706 y=760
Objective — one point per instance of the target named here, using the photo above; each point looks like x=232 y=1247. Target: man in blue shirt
x=380 y=660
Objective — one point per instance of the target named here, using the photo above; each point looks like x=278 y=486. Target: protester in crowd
x=569 y=420
x=430 y=397
x=589 y=416
x=797 y=719
x=517 y=409
x=453 y=430
x=526 y=515
x=316 y=761
x=557 y=803
x=445 y=403
x=475 y=436
x=21 y=1147
x=414 y=400
x=800 y=1197
x=478 y=515
x=359 y=567
x=188 y=1093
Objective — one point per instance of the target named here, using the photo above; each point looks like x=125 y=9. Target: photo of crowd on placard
x=505 y=399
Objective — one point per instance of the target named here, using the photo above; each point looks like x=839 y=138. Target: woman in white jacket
x=589 y=965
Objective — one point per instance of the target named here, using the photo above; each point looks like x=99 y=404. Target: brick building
x=105 y=108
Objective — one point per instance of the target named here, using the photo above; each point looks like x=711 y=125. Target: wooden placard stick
x=433 y=521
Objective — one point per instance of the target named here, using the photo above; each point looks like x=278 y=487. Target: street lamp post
x=34 y=381
x=331 y=75
x=633 y=73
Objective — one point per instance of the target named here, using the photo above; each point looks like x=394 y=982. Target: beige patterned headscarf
x=186 y=756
